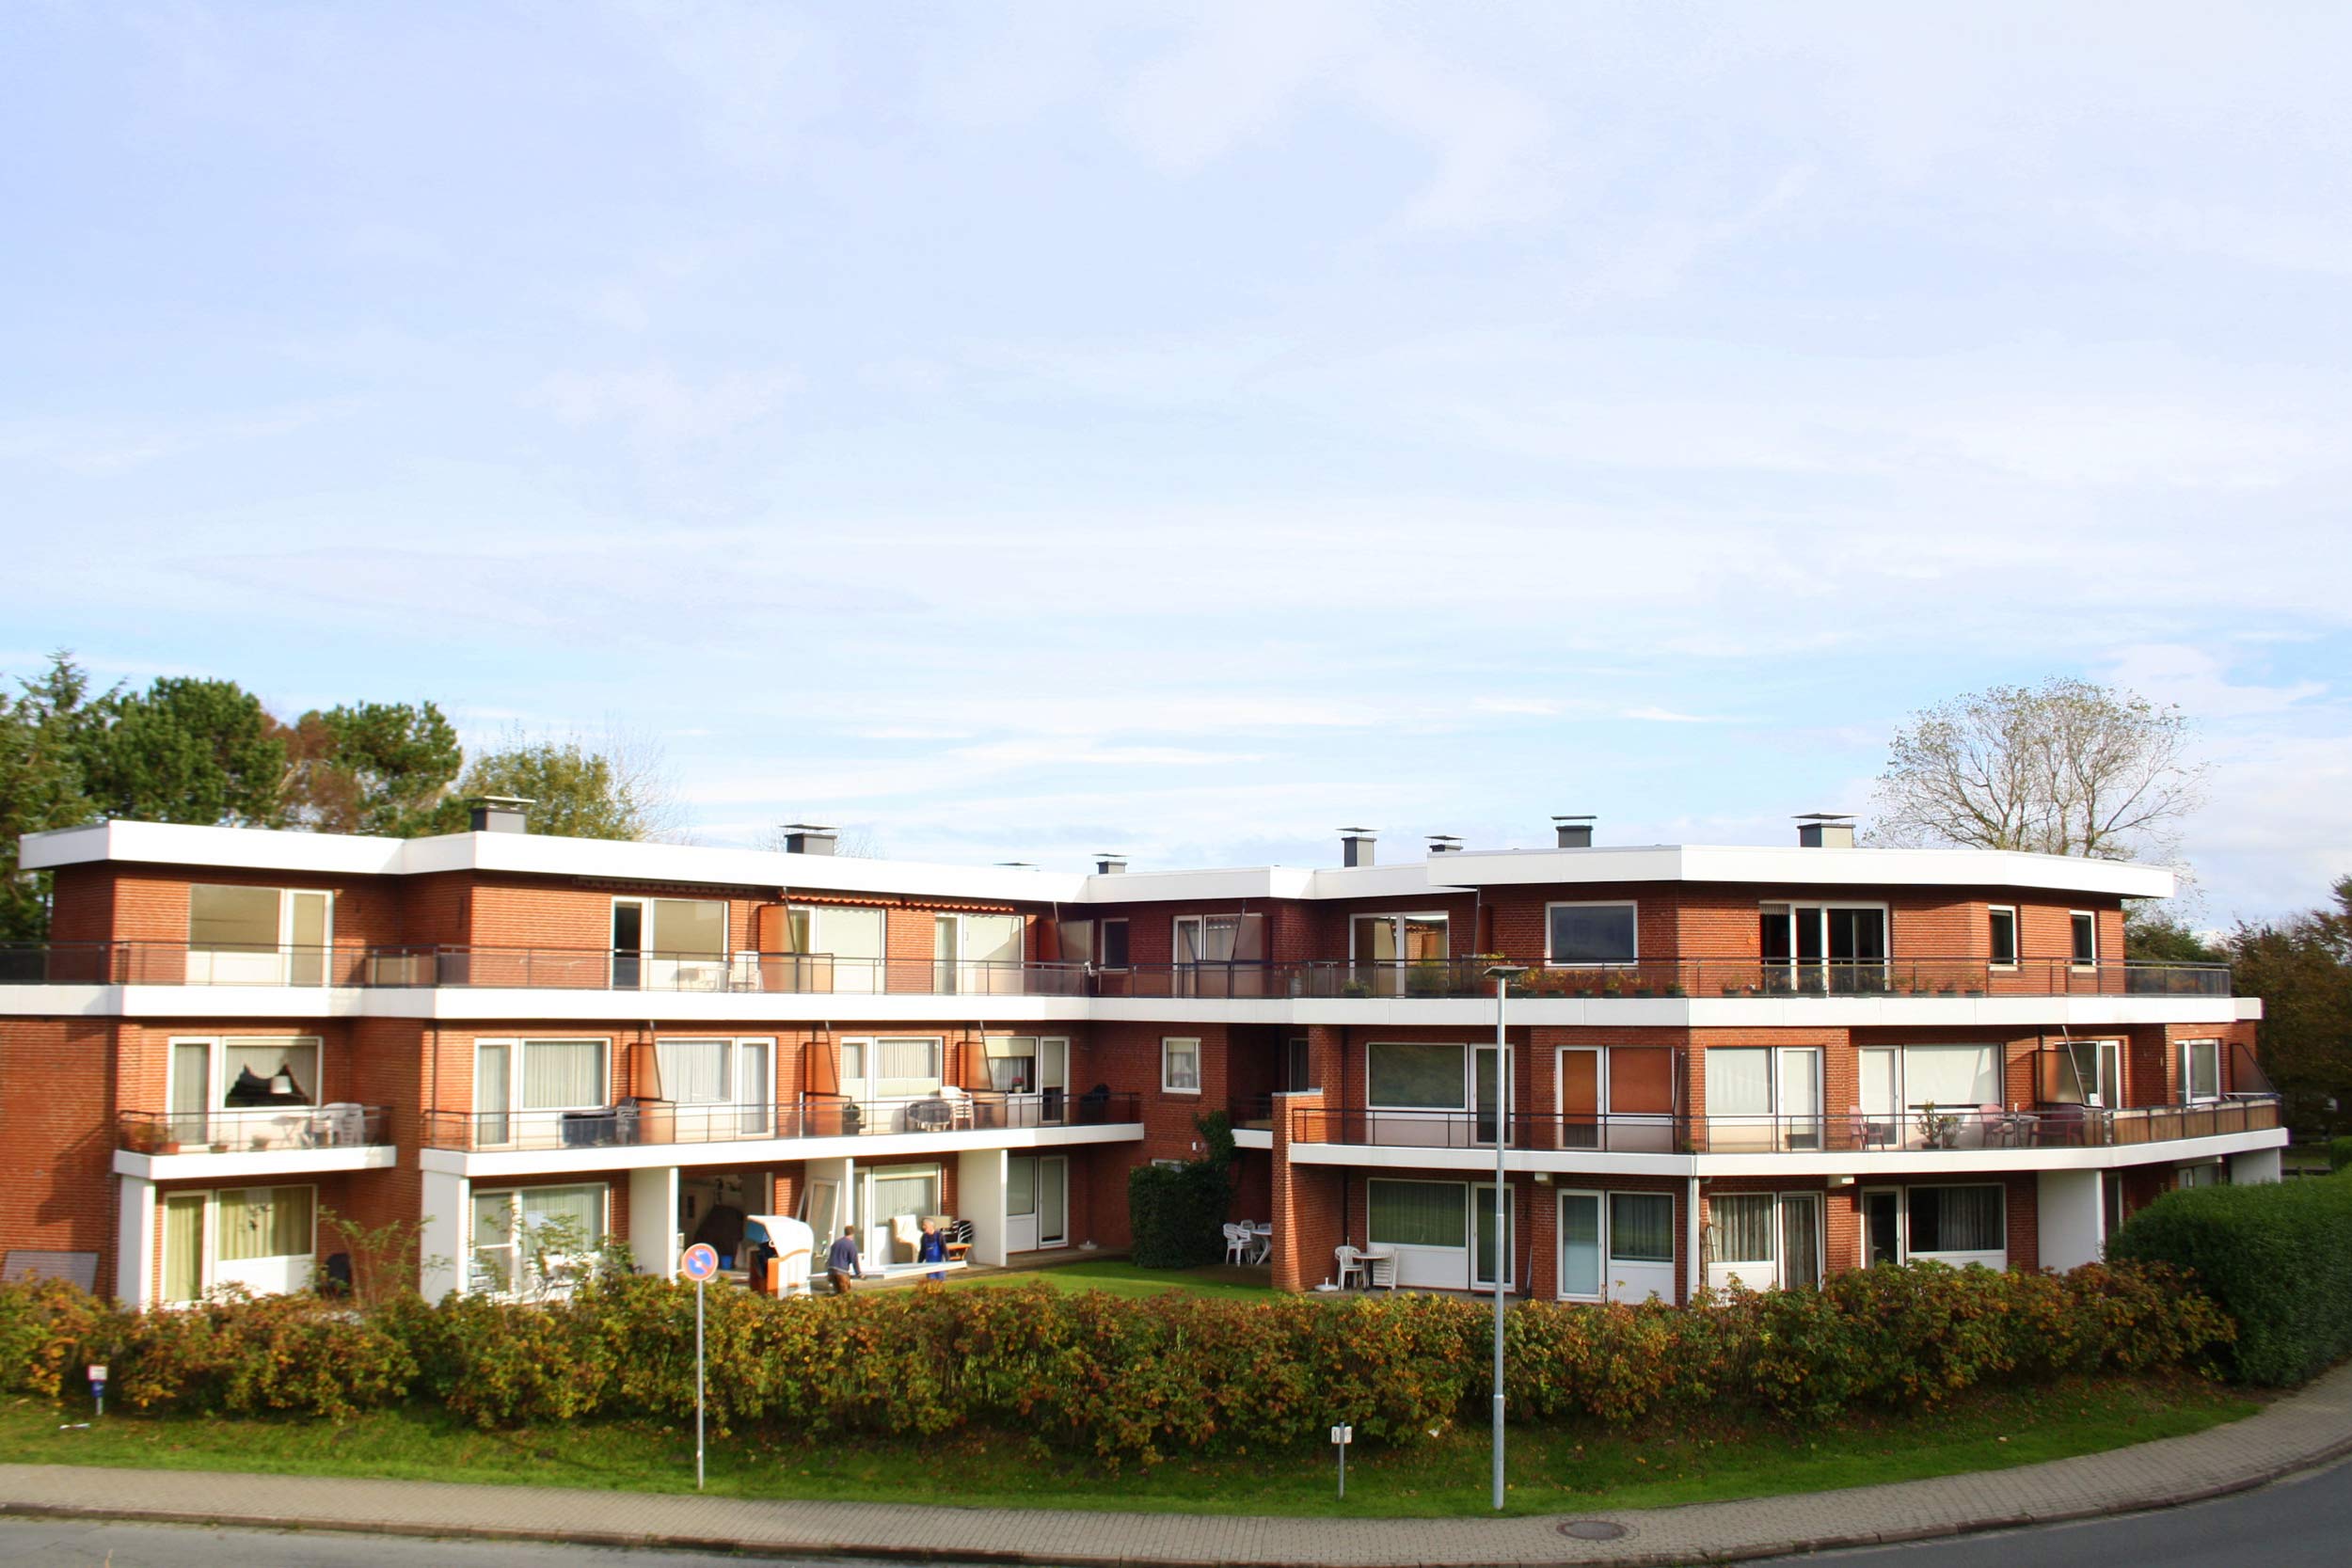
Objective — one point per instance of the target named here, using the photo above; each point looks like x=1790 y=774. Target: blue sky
x=1022 y=431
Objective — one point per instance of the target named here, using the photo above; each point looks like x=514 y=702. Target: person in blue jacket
x=841 y=1260
x=931 y=1248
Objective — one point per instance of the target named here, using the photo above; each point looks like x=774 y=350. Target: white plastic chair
x=1261 y=1242
x=1354 y=1266
x=1237 y=1244
x=1380 y=1268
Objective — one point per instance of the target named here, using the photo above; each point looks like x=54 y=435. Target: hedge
x=2339 y=1153
x=2277 y=1257
x=1127 y=1380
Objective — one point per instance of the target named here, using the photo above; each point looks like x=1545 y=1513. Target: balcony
x=646 y=1123
x=260 y=1131
x=1927 y=1129
x=155 y=963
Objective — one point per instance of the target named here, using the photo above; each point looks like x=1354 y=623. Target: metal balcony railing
x=830 y=974
x=1924 y=1129
x=638 y=1123
x=266 y=1129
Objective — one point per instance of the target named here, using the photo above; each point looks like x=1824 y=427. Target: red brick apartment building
x=1748 y=1063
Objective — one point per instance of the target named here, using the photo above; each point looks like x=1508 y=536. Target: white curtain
x=579 y=1210
x=1951 y=1075
x=1958 y=1219
x=263 y=1222
x=563 y=1074
x=694 y=1072
x=906 y=1068
x=914 y=1193
x=847 y=933
x=991 y=938
x=1642 y=1228
x=689 y=927
x=1878 y=1086
x=1743 y=1228
x=1800 y=1233
x=1739 y=1083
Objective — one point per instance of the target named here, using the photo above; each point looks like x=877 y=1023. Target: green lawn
x=1550 y=1470
x=1117 y=1277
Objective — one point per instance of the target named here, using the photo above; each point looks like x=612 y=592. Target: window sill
x=1193 y=1094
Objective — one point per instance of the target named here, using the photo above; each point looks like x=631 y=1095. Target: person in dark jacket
x=931 y=1248
x=841 y=1264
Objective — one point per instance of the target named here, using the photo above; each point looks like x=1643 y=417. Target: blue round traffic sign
x=701 y=1263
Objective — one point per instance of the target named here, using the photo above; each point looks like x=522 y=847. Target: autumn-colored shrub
x=1126 y=1381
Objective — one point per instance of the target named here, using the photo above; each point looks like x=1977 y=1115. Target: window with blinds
x=694 y=1072
x=1417 y=1214
x=563 y=1075
x=263 y=1222
x=1642 y=1228
x=906 y=1069
x=1958 y=1219
x=1741 y=1231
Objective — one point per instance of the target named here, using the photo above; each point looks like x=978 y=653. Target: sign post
x=98 y=1386
x=699 y=1264
x=1341 y=1438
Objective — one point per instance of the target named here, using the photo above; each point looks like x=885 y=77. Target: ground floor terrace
x=512 y=1230
x=1621 y=1234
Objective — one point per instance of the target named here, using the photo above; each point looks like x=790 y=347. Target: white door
x=1020 y=1204
x=1052 y=1077
x=1053 y=1200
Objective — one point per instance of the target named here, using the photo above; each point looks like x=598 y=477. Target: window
x=2200 y=1070
x=522 y=1236
x=2002 y=925
x=1219 y=954
x=1416 y=1213
x=1179 y=1065
x=1640 y=1228
x=1299 y=1071
x=2197 y=1175
x=669 y=944
x=713 y=1071
x=239 y=1074
x=845 y=945
x=1114 y=944
x=1764 y=1239
x=1398 y=938
x=1414 y=1075
x=259 y=936
x=261 y=1237
x=893 y=1191
x=1741 y=1231
x=2086 y=937
x=536 y=1075
x=907 y=1067
x=1762 y=1099
x=1206 y=938
x=1589 y=934
x=1947 y=1220
x=1024 y=1064
x=1828 y=948
x=977 y=954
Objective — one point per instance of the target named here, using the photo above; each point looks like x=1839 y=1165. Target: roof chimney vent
x=1576 y=833
x=1356 y=845
x=1444 y=844
x=807 y=838
x=501 y=814
x=1109 y=865
x=1825 y=830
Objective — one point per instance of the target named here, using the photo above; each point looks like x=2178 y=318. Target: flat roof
x=1458 y=871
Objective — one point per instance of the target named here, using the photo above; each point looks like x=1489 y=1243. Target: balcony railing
x=1924 y=1129
x=252 y=1130
x=638 y=1123
x=827 y=974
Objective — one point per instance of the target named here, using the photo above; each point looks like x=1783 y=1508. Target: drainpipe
x=1698 y=1265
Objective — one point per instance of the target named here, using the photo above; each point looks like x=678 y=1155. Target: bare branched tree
x=2065 y=768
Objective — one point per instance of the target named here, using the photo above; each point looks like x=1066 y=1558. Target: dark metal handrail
x=237 y=1129
x=642 y=1122
x=435 y=965
x=1924 y=1128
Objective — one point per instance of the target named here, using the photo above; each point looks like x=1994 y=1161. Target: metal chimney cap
x=1584 y=816
x=1823 y=816
x=807 y=828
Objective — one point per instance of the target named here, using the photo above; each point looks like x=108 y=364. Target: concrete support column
x=135 y=1243
x=980 y=1182
x=2070 y=1218
x=2254 y=1167
x=654 y=1243
x=448 y=1234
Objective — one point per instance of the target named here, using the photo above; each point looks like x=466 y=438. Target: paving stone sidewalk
x=2304 y=1429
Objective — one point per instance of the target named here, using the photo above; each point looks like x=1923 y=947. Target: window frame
x=216 y=1059
x=1631 y=905
x=1604 y=1200
x=737 y=1049
x=1993 y=945
x=1941 y=1254
x=208 y=1242
x=2079 y=921
x=513 y=1196
x=1397 y=919
x=1469 y=1077
x=515 y=1054
x=2188 y=1074
x=1197 y=1067
x=288 y=956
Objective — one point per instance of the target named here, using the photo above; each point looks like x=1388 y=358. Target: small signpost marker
x=1341 y=1438
x=98 y=1386
x=699 y=1264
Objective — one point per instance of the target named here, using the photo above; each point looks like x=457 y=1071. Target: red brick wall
x=57 y=1121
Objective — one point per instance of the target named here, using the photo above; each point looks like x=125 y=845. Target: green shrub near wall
x=1176 y=1212
x=2277 y=1257
x=1126 y=1379
x=2339 y=1153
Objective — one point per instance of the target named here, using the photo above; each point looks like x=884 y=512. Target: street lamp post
x=1498 y=1260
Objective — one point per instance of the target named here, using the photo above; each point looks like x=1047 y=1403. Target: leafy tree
x=2301 y=968
x=371 y=768
x=577 y=789
x=43 y=731
x=2152 y=936
x=2065 y=768
x=185 y=751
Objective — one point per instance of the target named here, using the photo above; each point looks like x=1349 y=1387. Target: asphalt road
x=2302 y=1523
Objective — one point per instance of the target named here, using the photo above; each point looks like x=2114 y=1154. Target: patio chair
x=1261 y=1242
x=959 y=1105
x=1355 y=1268
x=1994 y=1126
x=1237 y=1244
x=1381 y=1260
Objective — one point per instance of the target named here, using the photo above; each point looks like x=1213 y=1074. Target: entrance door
x=1037 y=1202
x=1882 y=1227
x=629 y=943
x=1053 y=1078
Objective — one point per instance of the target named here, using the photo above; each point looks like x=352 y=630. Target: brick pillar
x=1307 y=1201
x=1325 y=1064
